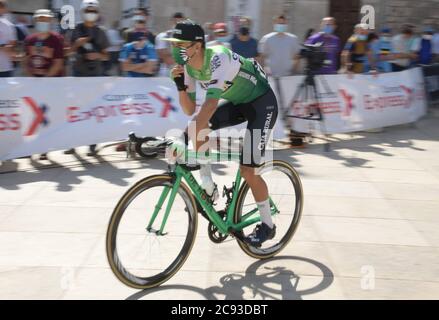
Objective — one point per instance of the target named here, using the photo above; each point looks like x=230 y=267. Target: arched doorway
x=347 y=13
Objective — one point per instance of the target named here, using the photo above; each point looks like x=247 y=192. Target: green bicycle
x=144 y=250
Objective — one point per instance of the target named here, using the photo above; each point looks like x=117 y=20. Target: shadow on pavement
x=396 y=137
x=258 y=282
x=67 y=179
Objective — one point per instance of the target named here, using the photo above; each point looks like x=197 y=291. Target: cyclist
x=248 y=97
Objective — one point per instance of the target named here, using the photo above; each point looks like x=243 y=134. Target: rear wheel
x=285 y=191
x=140 y=257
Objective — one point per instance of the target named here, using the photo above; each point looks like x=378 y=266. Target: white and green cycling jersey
x=227 y=75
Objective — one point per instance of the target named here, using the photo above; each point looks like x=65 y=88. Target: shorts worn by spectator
x=280 y=50
x=330 y=44
x=8 y=37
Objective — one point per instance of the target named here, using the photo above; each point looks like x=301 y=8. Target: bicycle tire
x=243 y=191
x=141 y=151
x=111 y=238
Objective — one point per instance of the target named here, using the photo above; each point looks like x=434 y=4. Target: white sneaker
x=211 y=189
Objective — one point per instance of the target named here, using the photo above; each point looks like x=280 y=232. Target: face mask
x=385 y=38
x=91 y=17
x=328 y=29
x=280 y=27
x=180 y=55
x=427 y=37
x=362 y=37
x=138 y=18
x=245 y=31
x=42 y=27
x=222 y=39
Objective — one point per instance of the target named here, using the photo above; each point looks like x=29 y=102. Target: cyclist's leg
x=226 y=115
x=261 y=117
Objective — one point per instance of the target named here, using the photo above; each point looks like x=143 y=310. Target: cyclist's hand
x=178 y=77
x=177 y=71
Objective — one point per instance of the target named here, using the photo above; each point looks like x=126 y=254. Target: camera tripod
x=306 y=95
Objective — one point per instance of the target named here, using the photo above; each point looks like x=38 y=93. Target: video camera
x=314 y=55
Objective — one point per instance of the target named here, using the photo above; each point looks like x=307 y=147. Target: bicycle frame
x=224 y=227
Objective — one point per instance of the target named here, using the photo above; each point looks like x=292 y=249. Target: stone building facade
x=303 y=14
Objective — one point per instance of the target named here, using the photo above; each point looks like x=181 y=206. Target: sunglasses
x=182 y=45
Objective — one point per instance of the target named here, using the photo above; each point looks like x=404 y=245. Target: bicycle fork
x=159 y=205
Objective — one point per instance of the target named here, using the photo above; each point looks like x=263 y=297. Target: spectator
x=279 y=53
x=140 y=19
x=116 y=42
x=331 y=45
x=163 y=48
x=139 y=58
x=357 y=52
x=221 y=36
x=242 y=43
x=208 y=29
x=404 y=47
x=22 y=33
x=383 y=50
x=435 y=42
x=44 y=50
x=21 y=25
x=89 y=44
x=425 y=53
x=280 y=50
x=8 y=38
x=373 y=44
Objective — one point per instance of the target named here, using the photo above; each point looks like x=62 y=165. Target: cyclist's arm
x=219 y=67
x=187 y=97
x=186 y=102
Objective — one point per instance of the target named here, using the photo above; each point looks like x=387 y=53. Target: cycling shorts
x=261 y=115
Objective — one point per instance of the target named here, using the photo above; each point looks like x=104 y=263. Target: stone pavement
x=369 y=228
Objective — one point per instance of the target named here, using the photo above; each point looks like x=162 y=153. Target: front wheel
x=139 y=255
x=286 y=195
x=146 y=148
